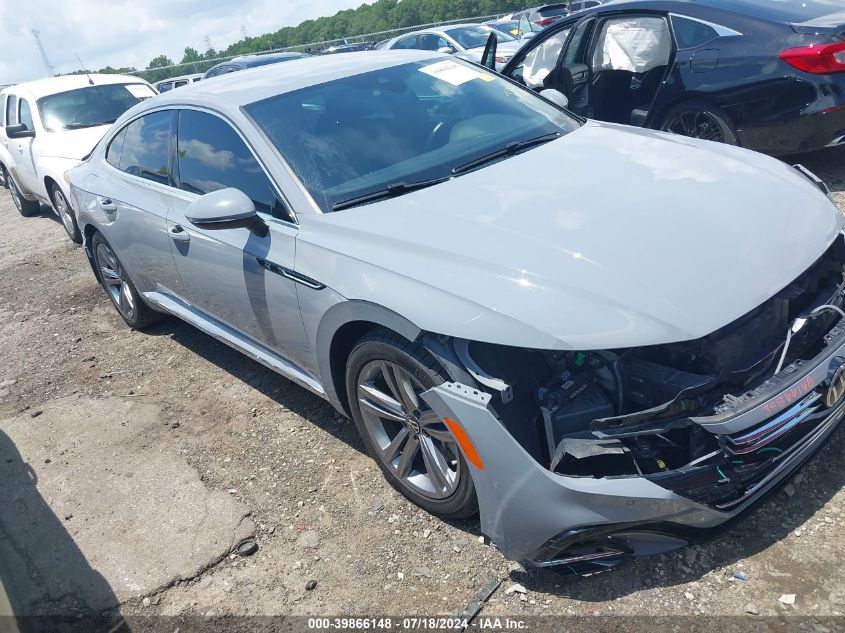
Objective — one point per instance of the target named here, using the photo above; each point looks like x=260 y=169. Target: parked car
x=177 y=82
x=544 y=16
x=47 y=126
x=464 y=40
x=575 y=327
x=510 y=27
x=767 y=76
x=250 y=61
x=580 y=5
x=349 y=48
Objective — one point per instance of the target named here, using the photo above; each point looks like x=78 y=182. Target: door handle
x=106 y=204
x=178 y=234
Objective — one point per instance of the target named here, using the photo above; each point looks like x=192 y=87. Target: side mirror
x=488 y=58
x=223 y=209
x=448 y=50
x=19 y=131
x=556 y=97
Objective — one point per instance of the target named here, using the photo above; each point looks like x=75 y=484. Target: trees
x=381 y=15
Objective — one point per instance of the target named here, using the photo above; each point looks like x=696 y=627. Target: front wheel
x=4 y=177
x=65 y=213
x=698 y=119
x=414 y=448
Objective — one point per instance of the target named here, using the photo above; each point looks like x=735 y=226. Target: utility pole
x=51 y=70
x=243 y=31
x=207 y=41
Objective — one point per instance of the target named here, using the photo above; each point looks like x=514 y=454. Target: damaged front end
x=597 y=455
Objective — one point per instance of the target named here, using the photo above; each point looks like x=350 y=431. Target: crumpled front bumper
x=583 y=523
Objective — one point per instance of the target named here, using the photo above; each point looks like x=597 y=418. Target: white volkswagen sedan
x=49 y=125
x=610 y=341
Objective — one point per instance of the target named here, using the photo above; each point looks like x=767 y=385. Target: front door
x=21 y=149
x=237 y=276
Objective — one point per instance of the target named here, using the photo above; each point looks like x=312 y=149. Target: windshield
x=401 y=125
x=89 y=107
x=475 y=36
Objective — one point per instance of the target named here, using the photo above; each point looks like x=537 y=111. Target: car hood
x=71 y=144
x=609 y=237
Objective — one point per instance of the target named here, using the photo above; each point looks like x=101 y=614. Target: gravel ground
x=322 y=509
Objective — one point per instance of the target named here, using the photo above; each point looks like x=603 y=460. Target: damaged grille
x=750 y=459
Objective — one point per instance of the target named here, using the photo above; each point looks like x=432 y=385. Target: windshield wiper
x=390 y=191
x=508 y=150
x=79 y=126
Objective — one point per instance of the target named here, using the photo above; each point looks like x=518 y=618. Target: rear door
x=235 y=275
x=132 y=196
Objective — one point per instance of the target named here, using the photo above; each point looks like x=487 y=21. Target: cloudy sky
x=132 y=32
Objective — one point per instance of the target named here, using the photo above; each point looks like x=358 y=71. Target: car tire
x=4 y=177
x=698 y=119
x=417 y=454
x=26 y=208
x=65 y=212
x=119 y=288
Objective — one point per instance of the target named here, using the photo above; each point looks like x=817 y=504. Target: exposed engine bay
x=631 y=412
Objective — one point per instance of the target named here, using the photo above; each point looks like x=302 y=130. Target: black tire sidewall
x=387 y=346
x=27 y=208
x=76 y=236
x=728 y=128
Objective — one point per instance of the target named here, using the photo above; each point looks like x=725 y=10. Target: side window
x=3 y=110
x=11 y=110
x=574 y=52
x=146 y=148
x=433 y=42
x=115 y=147
x=691 y=33
x=212 y=156
x=408 y=42
x=25 y=115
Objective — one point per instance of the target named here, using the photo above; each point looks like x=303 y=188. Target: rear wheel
x=414 y=448
x=66 y=214
x=26 y=208
x=698 y=119
x=119 y=287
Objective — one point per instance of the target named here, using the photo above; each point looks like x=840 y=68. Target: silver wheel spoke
x=434 y=427
x=379 y=403
x=400 y=386
x=435 y=465
x=406 y=460
x=395 y=446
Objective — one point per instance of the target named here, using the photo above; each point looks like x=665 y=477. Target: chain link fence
x=189 y=68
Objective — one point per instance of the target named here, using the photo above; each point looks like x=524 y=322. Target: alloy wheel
x=4 y=178
x=115 y=282
x=696 y=124
x=63 y=209
x=409 y=437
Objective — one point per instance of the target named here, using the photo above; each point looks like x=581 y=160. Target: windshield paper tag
x=139 y=91
x=450 y=72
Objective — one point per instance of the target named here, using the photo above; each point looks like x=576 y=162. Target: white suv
x=47 y=126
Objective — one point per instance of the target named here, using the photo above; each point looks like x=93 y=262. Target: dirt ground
x=319 y=508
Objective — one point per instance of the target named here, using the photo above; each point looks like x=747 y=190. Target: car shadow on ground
x=45 y=580
x=771 y=521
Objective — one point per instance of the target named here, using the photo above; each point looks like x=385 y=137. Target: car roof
x=785 y=12
x=53 y=85
x=232 y=91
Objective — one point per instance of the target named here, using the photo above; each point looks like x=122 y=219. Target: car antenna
x=90 y=81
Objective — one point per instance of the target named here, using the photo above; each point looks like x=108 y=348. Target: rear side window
x=692 y=33
x=11 y=110
x=146 y=148
x=213 y=156
x=114 y=149
x=25 y=115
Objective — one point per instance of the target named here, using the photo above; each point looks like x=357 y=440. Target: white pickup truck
x=47 y=126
